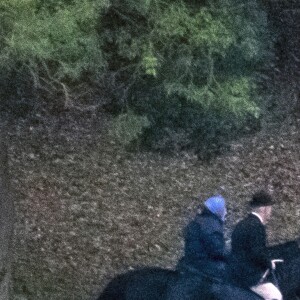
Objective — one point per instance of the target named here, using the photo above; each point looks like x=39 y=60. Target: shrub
x=183 y=63
x=128 y=127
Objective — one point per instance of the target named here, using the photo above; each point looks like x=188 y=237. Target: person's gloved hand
x=275 y=261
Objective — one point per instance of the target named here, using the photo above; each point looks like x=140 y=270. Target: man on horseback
x=204 y=252
x=250 y=262
x=205 y=259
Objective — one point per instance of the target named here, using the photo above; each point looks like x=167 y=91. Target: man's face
x=267 y=213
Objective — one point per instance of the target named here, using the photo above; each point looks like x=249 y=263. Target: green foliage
x=195 y=56
x=201 y=45
x=202 y=29
x=128 y=127
x=149 y=61
x=231 y=96
x=56 y=41
x=179 y=64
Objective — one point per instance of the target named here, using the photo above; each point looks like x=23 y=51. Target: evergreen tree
x=181 y=62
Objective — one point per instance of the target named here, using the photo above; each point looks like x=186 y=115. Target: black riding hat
x=261 y=198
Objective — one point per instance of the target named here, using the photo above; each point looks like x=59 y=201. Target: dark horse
x=163 y=284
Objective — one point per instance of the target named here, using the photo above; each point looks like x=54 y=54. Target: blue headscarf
x=217 y=206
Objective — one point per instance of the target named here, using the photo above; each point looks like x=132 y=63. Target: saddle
x=205 y=276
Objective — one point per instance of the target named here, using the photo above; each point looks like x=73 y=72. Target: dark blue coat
x=204 y=244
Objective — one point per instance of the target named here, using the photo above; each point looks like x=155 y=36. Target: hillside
x=87 y=210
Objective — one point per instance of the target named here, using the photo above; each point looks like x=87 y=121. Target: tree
x=6 y=220
x=184 y=63
x=49 y=45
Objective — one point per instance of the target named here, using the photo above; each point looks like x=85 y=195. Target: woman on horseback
x=204 y=241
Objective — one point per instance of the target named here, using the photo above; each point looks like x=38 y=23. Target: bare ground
x=87 y=210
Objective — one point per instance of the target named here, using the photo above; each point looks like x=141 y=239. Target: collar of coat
x=207 y=212
x=257 y=215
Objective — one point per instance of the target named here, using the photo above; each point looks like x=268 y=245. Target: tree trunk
x=6 y=220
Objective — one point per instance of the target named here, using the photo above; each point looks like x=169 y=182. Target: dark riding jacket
x=249 y=257
x=204 y=244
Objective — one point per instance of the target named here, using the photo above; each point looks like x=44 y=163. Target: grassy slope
x=86 y=210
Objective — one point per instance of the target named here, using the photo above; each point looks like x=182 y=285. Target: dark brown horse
x=141 y=284
x=163 y=284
